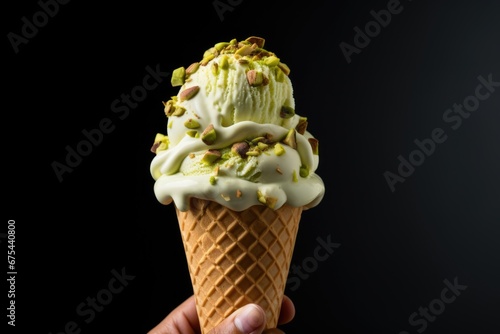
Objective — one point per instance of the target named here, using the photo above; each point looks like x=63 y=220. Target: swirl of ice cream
x=233 y=134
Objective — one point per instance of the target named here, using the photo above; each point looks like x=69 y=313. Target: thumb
x=250 y=319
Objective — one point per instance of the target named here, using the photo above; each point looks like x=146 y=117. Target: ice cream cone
x=237 y=257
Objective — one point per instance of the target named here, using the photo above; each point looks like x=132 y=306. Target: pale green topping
x=262 y=146
x=254 y=153
x=224 y=62
x=266 y=200
x=192 y=68
x=191 y=124
x=255 y=78
x=272 y=61
x=191 y=133
x=209 y=135
x=221 y=45
x=304 y=171
x=178 y=111
x=284 y=67
x=279 y=149
x=215 y=68
x=169 y=107
x=314 y=145
x=213 y=180
x=178 y=76
x=240 y=148
x=302 y=125
x=210 y=157
x=287 y=112
x=160 y=143
x=188 y=93
x=294 y=176
x=291 y=139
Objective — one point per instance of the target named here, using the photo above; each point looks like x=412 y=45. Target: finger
x=182 y=320
x=287 y=311
x=250 y=319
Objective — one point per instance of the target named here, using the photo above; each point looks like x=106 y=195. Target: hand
x=250 y=319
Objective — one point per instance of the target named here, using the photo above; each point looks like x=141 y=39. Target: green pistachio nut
x=178 y=76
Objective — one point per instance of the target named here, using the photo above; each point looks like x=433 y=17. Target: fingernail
x=250 y=319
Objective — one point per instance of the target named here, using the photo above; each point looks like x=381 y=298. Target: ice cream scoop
x=239 y=164
x=233 y=135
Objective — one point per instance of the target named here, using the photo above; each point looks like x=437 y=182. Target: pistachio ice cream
x=233 y=135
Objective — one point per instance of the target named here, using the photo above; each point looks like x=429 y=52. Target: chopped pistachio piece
x=160 y=143
x=191 y=124
x=191 y=133
x=241 y=148
x=224 y=62
x=169 y=108
x=209 y=135
x=304 y=171
x=261 y=197
x=188 y=93
x=210 y=156
x=279 y=149
x=244 y=50
x=208 y=57
x=213 y=180
x=262 y=146
x=257 y=140
x=210 y=52
x=178 y=76
x=291 y=139
x=254 y=153
x=238 y=193
x=221 y=45
x=257 y=40
x=225 y=197
x=314 y=145
x=266 y=200
x=294 y=176
x=272 y=61
x=179 y=111
x=192 y=68
x=215 y=68
x=243 y=61
x=280 y=76
x=278 y=169
x=302 y=125
x=284 y=67
x=287 y=112
x=254 y=78
x=265 y=80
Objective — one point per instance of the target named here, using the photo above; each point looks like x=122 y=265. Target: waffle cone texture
x=236 y=258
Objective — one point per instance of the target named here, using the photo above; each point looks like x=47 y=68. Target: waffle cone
x=236 y=258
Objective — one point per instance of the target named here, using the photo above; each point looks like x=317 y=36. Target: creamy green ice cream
x=233 y=134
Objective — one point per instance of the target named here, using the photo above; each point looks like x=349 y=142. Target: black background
x=396 y=248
